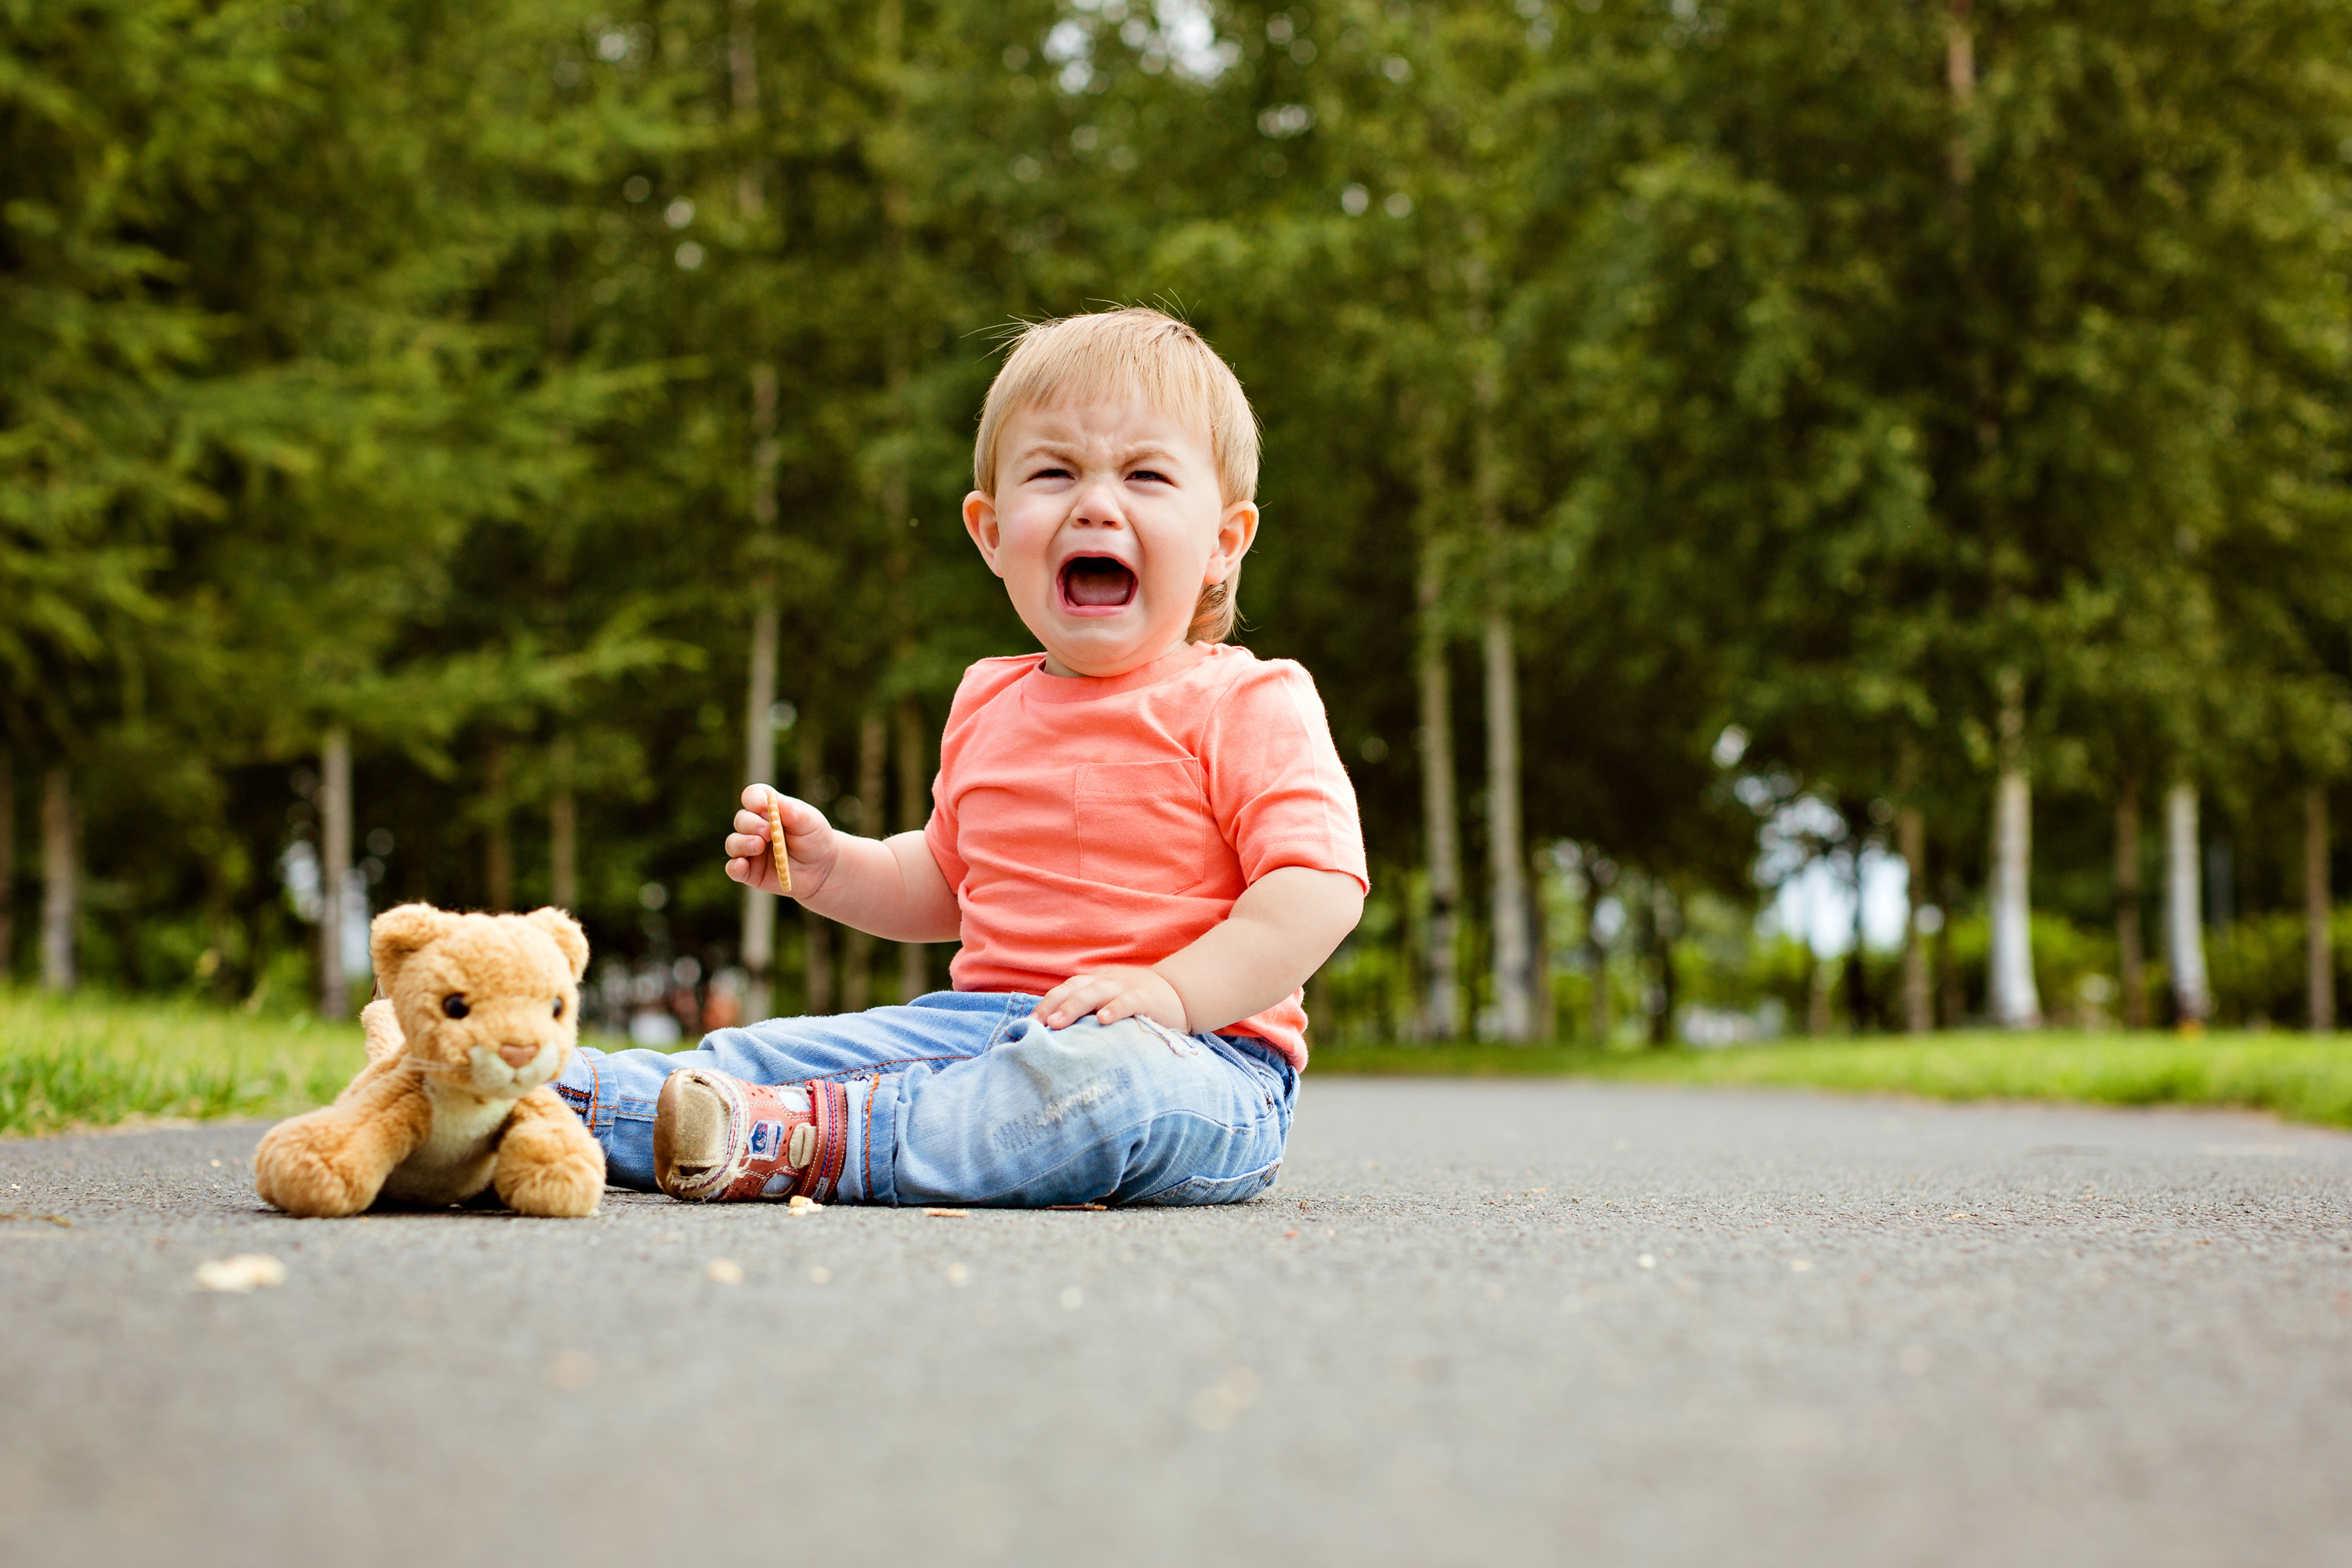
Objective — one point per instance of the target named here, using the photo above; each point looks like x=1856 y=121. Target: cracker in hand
x=776 y=842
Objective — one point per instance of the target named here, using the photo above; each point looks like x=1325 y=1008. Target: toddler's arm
x=1280 y=932
x=891 y=888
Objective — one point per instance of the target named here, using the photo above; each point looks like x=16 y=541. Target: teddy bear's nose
x=516 y=1056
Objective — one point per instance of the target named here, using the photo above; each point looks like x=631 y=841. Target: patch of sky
x=1805 y=855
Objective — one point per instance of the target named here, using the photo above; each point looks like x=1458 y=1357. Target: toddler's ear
x=979 y=522
x=567 y=934
x=401 y=933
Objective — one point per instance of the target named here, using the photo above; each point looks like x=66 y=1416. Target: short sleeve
x=1275 y=784
x=940 y=835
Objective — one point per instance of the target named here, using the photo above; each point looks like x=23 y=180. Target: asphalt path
x=1474 y=1323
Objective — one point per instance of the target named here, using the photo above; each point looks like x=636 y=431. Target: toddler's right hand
x=808 y=840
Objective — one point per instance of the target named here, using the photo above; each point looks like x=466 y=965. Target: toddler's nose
x=516 y=1054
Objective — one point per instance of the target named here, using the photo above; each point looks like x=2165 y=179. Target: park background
x=1808 y=517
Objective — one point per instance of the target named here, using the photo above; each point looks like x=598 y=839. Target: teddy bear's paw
x=552 y=1169
x=293 y=1173
x=569 y=1191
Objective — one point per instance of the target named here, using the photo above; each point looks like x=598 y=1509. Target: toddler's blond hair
x=1142 y=353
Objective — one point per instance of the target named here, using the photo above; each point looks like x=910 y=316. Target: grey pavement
x=1474 y=1323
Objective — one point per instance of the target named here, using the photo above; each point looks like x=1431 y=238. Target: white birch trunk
x=2016 y=1002
x=1441 y=814
x=2319 y=953
x=2184 y=928
x=758 y=932
x=334 y=869
x=61 y=881
x=1506 y=857
x=758 y=941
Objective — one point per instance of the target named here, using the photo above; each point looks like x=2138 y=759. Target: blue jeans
x=962 y=1096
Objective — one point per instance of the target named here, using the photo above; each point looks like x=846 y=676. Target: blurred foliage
x=393 y=367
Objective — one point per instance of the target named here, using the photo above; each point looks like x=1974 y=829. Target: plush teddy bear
x=480 y=1015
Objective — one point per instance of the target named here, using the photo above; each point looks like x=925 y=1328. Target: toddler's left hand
x=1111 y=995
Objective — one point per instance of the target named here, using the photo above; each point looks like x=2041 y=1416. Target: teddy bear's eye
x=454 y=1006
x=559 y=1006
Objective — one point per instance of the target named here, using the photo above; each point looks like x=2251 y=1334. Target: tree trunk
x=857 y=947
x=743 y=80
x=2318 y=952
x=1507 y=851
x=1596 y=1001
x=1441 y=815
x=2184 y=931
x=1539 y=983
x=2016 y=1003
x=1960 y=77
x=1506 y=854
x=1911 y=842
x=1665 y=925
x=2220 y=883
x=914 y=812
x=2130 y=960
x=498 y=850
x=7 y=869
x=1857 y=971
x=563 y=830
x=759 y=939
x=816 y=931
x=1951 y=999
x=61 y=881
x=334 y=869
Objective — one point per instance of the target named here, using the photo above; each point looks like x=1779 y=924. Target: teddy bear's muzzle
x=512 y=1066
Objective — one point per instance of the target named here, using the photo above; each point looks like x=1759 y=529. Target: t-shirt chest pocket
x=1143 y=826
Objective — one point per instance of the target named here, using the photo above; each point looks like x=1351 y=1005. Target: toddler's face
x=1106 y=525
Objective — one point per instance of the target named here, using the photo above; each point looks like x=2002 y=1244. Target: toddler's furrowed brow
x=1059 y=454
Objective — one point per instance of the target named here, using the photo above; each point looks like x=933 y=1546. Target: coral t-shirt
x=1088 y=822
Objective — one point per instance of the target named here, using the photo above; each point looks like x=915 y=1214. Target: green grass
x=93 y=1060
x=97 y=1061
x=2300 y=1077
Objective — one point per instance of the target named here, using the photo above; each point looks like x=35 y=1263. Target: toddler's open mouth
x=1095 y=585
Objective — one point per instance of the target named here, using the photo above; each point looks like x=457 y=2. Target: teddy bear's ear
x=396 y=935
x=567 y=934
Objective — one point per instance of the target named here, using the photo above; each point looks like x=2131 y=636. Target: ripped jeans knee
x=1119 y=1114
